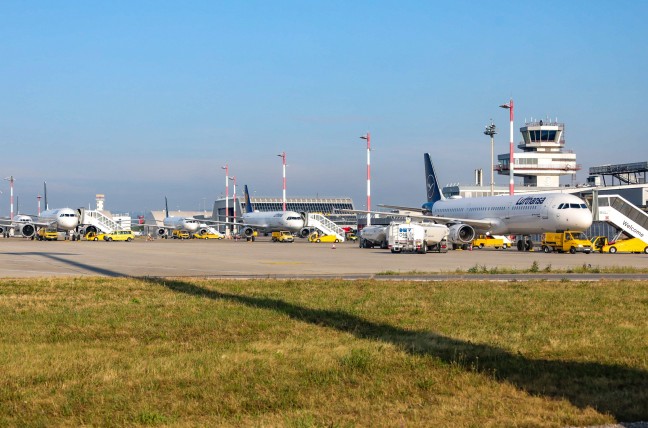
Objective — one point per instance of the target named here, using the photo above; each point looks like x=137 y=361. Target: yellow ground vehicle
x=94 y=236
x=282 y=236
x=490 y=241
x=569 y=240
x=180 y=234
x=119 y=235
x=350 y=236
x=44 y=234
x=632 y=245
x=208 y=236
x=598 y=242
x=324 y=238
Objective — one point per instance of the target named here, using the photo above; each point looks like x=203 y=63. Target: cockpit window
x=583 y=206
x=574 y=205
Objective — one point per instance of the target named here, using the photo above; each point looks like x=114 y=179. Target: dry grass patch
x=312 y=353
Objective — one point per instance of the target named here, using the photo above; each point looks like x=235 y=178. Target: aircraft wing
x=401 y=208
x=238 y=224
x=6 y=221
x=479 y=224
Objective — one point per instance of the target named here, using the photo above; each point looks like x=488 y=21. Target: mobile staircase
x=103 y=223
x=623 y=215
x=325 y=226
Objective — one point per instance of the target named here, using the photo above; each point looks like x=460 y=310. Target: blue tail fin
x=166 y=206
x=431 y=184
x=248 y=204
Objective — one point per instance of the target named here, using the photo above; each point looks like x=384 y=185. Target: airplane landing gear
x=525 y=244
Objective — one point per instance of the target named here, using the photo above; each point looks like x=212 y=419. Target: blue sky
x=138 y=100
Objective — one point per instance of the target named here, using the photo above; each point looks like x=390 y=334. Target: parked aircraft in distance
x=521 y=215
x=59 y=219
x=268 y=221
x=173 y=223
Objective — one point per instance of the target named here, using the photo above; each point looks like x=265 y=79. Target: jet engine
x=89 y=229
x=161 y=232
x=203 y=231
x=248 y=232
x=304 y=232
x=461 y=234
x=27 y=230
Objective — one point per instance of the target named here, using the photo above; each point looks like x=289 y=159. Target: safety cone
x=333 y=247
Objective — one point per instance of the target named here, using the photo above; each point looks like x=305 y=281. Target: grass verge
x=534 y=268
x=324 y=352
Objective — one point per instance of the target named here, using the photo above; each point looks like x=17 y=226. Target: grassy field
x=115 y=352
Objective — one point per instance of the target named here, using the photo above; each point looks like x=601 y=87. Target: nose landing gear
x=525 y=244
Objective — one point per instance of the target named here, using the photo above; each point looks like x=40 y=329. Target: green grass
x=115 y=352
x=534 y=268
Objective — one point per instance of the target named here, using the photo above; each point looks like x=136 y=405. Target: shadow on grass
x=620 y=391
x=617 y=390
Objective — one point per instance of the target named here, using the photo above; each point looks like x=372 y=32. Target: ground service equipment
x=569 y=240
x=491 y=241
x=632 y=245
x=282 y=236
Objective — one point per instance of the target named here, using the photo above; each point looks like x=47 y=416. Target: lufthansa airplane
x=521 y=215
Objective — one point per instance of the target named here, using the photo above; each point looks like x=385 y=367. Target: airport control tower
x=543 y=158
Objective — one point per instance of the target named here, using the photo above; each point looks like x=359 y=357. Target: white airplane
x=268 y=221
x=60 y=219
x=174 y=223
x=521 y=215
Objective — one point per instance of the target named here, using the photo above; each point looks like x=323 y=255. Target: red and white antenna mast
x=368 y=138
x=509 y=106
x=283 y=157
x=10 y=179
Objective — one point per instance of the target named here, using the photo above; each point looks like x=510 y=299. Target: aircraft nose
x=585 y=220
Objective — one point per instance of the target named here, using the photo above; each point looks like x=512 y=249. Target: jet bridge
x=623 y=215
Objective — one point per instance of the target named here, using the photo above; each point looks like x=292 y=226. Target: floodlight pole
x=39 y=199
x=490 y=130
x=368 y=138
x=509 y=106
x=283 y=157
x=226 y=168
x=234 y=228
x=10 y=179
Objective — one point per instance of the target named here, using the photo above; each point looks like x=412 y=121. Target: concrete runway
x=263 y=258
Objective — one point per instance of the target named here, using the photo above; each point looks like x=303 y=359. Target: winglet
x=248 y=204
x=432 y=189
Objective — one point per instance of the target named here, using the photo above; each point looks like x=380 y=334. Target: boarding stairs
x=102 y=222
x=325 y=226
x=623 y=215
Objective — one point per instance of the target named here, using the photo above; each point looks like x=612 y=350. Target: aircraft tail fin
x=248 y=204
x=166 y=206
x=433 y=191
